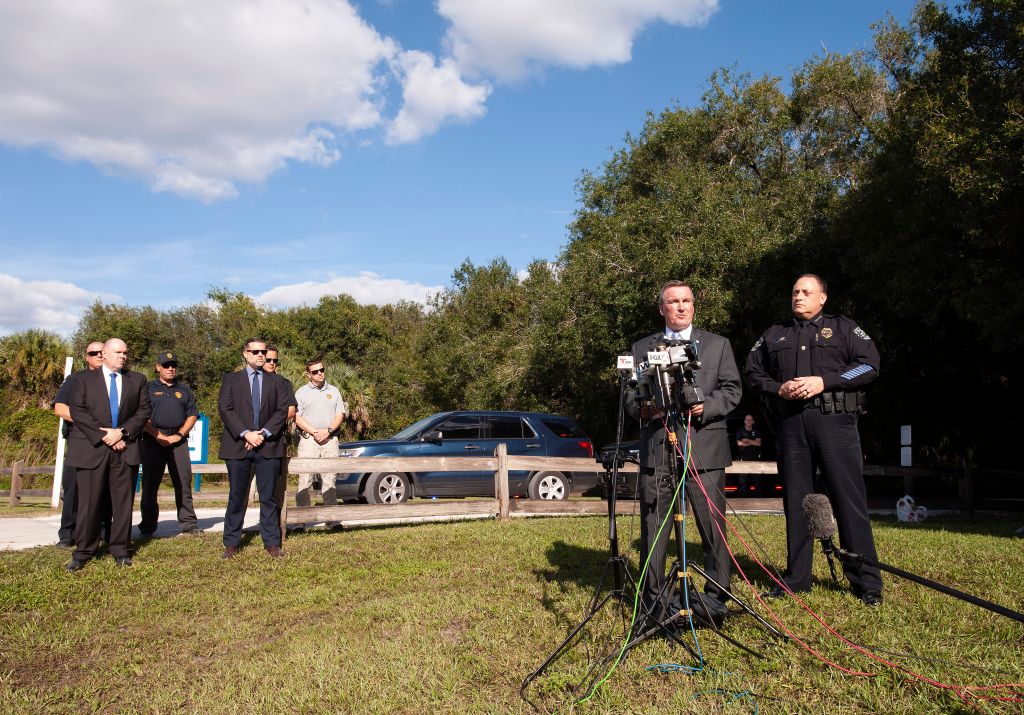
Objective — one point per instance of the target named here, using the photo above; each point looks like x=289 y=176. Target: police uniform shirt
x=172 y=404
x=829 y=346
x=319 y=405
x=749 y=451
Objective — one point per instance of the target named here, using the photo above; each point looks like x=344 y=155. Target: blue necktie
x=113 y=399
x=255 y=400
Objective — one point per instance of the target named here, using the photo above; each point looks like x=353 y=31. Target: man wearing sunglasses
x=61 y=402
x=274 y=362
x=320 y=414
x=253 y=406
x=165 y=446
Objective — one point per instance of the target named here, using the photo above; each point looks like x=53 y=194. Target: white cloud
x=196 y=97
x=192 y=95
x=51 y=305
x=509 y=39
x=432 y=93
x=366 y=288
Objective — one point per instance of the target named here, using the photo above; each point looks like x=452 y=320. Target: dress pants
x=808 y=439
x=239 y=477
x=69 y=508
x=175 y=459
x=116 y=477
x=655 y=503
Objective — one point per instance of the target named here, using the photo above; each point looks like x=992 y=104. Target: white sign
x=905 y=458
x=905 y=435
x=625 y=362
x=658 y=358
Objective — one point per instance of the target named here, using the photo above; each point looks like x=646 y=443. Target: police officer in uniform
x=810 y=369
x=165 y=446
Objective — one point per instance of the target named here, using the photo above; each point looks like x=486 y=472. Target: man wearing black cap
x=165 y=445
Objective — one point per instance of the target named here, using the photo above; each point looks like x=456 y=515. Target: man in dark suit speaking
x=109 y=408
x=719 y=381
x=253 y=406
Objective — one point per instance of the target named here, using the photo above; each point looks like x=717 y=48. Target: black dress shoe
x=871 y=598
x=774 y=592
x=123 y=561
x=275 y=551
x=230 y=552
x=65 y=544
x=75 y=565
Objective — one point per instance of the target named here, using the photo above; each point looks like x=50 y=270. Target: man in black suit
x=253 y=406
x=109 y=407
x=719 y=381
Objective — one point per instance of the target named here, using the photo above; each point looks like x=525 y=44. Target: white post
x=58 y=468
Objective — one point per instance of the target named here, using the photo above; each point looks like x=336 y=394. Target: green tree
x=32 y=366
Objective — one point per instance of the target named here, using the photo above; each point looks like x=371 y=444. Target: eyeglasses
x=317 y=372
x=93 y=353
x=273 y=361
x=256 y=352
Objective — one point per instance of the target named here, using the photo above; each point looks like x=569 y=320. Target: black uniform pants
x=655 y=502
x=175 y=459
x=808 y=439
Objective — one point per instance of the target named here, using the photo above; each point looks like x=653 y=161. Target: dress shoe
x=75 y=565
x=123 y=561
x=275 y=551
x=230 y=552
x=780 y=592
x=871 y=598
x=65 y=544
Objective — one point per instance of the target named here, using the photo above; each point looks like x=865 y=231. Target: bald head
x=115 y=354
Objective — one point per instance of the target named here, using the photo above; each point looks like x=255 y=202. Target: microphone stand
x=935 y=585
x=616 y=564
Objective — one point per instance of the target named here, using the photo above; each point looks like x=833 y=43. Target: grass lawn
x=451 y=617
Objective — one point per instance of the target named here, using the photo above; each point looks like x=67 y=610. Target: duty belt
x=838 y=402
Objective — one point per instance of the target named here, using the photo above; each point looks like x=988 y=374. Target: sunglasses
x=273 y=361
x=317 y=372
x=256 y=352
x=94 y=353
x=168 y=365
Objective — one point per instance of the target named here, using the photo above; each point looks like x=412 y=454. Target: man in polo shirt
x=320 y=413
x=165 y=446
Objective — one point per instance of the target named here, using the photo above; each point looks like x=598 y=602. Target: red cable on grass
x=964 y=692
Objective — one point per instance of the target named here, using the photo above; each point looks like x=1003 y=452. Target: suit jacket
x=90 y=412
x=718 y=379
x=235 y=407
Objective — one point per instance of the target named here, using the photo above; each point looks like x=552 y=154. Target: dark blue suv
x=471 y=433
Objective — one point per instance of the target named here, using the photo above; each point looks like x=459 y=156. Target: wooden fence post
x=14 y=499
x=501 y=481
x=282 y=496
x=966 y=488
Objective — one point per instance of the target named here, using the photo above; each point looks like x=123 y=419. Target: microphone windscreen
x=818 y=512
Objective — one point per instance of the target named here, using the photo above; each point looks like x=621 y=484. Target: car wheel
x=387 y=488
x=549 y=485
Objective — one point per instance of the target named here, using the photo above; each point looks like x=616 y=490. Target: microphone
x=822 y=525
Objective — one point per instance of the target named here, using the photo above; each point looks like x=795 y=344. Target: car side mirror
x=433 y=436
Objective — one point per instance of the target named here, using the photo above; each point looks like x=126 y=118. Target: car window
x=460 y=427
x=508 y=427
x=563 y=427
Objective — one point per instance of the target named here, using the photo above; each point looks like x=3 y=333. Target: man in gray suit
x=719 y=381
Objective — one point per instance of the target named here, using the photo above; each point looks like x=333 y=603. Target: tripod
x=679 y=586
x=616 y=566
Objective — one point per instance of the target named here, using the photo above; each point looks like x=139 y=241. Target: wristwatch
x=180 y=435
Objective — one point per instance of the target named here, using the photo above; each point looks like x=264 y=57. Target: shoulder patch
x=860 y=334
x=760 y=341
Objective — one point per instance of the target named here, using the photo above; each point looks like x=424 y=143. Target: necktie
x=255 y=400
x=114 y=400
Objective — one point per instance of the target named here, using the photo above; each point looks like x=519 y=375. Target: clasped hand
x=802 y=388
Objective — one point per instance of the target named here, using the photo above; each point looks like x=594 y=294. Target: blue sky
x=151 y=150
